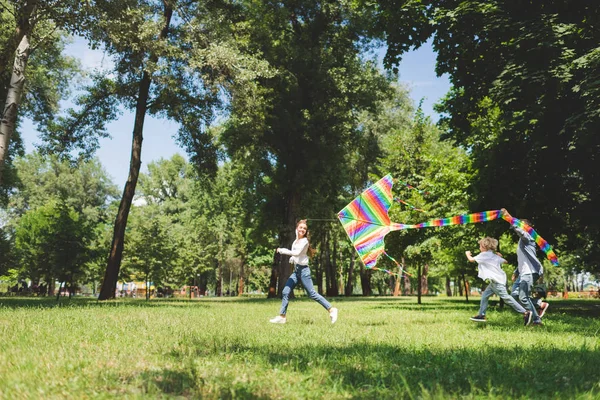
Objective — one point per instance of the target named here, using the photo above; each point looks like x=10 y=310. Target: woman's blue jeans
x=301 y=273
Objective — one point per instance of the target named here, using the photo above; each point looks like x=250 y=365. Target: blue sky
x=417 y=72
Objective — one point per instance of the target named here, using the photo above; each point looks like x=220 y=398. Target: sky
x=417 y=72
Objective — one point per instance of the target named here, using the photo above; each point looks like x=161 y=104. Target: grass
x=225 y=348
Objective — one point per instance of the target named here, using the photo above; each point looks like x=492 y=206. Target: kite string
x=398 y=264
x=412 y=187
x=408 y=204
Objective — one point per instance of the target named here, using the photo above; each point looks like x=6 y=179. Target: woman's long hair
x=311 y=251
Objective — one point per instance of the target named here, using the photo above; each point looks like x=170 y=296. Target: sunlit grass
x=225 y=348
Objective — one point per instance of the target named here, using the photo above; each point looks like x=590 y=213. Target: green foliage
x=148 y=251
x=440 y=172
x=524 y=102
x=83 y=186
x=58 y=218
x=50 y=242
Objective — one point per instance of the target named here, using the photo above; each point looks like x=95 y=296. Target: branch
x=43 y=39
x=8 y=10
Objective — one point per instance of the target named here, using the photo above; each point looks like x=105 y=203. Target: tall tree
x=301 y=128
x=524 y=99
x=170 y=59
x=33 y=26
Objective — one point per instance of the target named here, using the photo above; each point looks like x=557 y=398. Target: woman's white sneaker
x=333 y=314
x=277 y=320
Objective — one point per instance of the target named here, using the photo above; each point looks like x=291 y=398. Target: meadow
x=225 y=348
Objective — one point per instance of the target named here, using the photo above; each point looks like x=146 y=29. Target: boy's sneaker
x=527 y=318
x=333 y=314
x=277 y=320
x=537 y=323
x=478 y=318
x=542 y=310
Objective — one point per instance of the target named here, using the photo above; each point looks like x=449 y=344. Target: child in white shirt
x=489 y=266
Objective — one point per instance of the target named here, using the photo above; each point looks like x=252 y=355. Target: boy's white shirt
x=490 y=267
x=298 y=252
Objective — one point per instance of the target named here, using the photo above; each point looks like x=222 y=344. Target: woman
x=299 y=257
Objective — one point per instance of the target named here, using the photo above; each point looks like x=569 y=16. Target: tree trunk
x=458 y=286
x=331 y=277
x=51 y=286
x=319 y=267
x=13 y=100
x=407 y=288
x=60 y=286
x=365 y=280
x=397 y=283
x=419 y=284
x=340 y=274
x=219 y=288
x=240 y=290
x=287 y=236
x=24 y=27
x=273 y=281
x=113 y=266
x=466 y=287
x=424 y=285
x=349 y=289
x=327 y=264
x=448 y=287
x=147 y=287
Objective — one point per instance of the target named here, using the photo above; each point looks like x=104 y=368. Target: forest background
x=284 y=114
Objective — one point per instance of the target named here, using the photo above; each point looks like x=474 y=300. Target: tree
x=83 y=192
x=524 y=100
x=51 y=244
x=148 y=251
x=299 y=125
x=171 y=59
x=36 y=27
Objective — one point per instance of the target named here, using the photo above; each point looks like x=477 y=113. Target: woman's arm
x=296 y=250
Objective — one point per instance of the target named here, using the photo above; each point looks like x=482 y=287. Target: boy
x=538 y=298
x=489 y=267
x=529 y=266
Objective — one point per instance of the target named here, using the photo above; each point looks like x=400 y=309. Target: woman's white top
x=298 y=252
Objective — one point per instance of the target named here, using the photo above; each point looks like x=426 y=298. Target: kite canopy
x=366 y=221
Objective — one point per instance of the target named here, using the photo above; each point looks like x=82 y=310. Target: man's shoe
x=542 y=310
x=527 y=318
x=277 y=320
x=333 y=314
x=537 y=323
x=478 y=318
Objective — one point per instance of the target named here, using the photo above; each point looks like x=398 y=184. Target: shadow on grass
x=578 y=308
x=51 y=302
x=367 y=370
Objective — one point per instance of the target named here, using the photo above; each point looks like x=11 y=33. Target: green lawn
x=225 y=348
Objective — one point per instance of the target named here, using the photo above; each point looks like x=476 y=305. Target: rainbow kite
x=366 y=221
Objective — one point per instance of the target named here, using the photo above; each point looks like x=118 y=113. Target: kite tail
x=484 y=216
x=540 y=241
